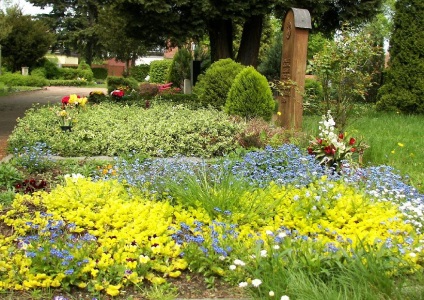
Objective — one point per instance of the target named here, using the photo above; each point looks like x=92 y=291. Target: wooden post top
x=302 y=18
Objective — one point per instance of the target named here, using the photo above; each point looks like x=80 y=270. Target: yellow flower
x=113 y=290
x=400 y=145
x=279 y=113
x=73 y=98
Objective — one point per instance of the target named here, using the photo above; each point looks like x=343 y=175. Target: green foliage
x=271 y=64
x=112 y=129
x=99 y=73
x=188 y=100
x=250 y=96
x=74 y=74
x=213 y=86
x=140 y=72
x=9 y=175
x=96 y=97
x=345 y=70
x=70 y=82
x=46 y=68
x=16 y=79
x=313 y=97
x=39 y=72
x=159 y=70
x=180 y=67
x=27 y=42
x=403 y=86
x=114 y=82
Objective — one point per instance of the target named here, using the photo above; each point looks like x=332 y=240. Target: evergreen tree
x=403 y=87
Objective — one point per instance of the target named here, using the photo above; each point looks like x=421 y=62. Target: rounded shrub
x=250 y=96
x=159 y=70
x=213 y=86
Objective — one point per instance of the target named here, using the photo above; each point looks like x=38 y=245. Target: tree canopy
x=160 y=21
x=27 y=40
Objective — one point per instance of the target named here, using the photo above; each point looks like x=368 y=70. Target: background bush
x=250 y=96
x=114 y=82
x=159 y=70
x=99 y=73
x=62 y=82
x=180 y=68
x=212 y=87
x=313 y=98
x=16 y=79
x=148 y=90
x=140 y=72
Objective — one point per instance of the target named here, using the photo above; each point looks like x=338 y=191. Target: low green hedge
x=113 y=129
x=16 y=79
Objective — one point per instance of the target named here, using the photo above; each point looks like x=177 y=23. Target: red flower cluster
x=118 y=93
x=29 y=186
x=65 y=100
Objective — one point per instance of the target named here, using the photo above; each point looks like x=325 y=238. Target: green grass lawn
x=395 y=140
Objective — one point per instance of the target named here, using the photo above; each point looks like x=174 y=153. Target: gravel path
x=14 y=106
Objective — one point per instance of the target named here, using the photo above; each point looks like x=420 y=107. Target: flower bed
x=103 y=236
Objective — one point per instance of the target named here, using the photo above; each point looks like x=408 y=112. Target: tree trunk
x=221 y=39
x=250 y=41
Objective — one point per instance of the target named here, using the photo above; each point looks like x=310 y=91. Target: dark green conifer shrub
x=403 y=87
x=213 y=86
x=250 y=96
x=180 y=68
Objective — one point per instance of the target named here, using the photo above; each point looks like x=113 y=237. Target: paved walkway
x=14 y=106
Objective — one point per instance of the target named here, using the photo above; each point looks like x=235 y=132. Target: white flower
x=285 y=297
x=275 y=247
x=232 y=267
x=221 y=257
x=73 y=177
x=269 y=232
x=264 y=253
x=256 y=282
x=282 y=235
x=243 y=284
x=271 y=294
x=412 y=254
x=238 y=262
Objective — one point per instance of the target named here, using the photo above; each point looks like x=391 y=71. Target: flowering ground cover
x=273 y=222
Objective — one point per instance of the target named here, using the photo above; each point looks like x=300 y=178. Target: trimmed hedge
x=140 y=72
x=61 y=82
x=159 y=70
x=16 y=79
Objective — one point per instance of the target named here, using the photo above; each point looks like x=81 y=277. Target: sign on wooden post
x=293 y=67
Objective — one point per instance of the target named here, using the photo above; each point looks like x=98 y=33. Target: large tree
x=75 y=23
x=28 y=40
x=403 y=87
x=216 y=18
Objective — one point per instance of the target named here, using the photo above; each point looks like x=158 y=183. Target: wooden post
x=293 y=68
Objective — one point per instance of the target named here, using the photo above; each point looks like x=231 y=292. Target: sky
x=28 y=8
